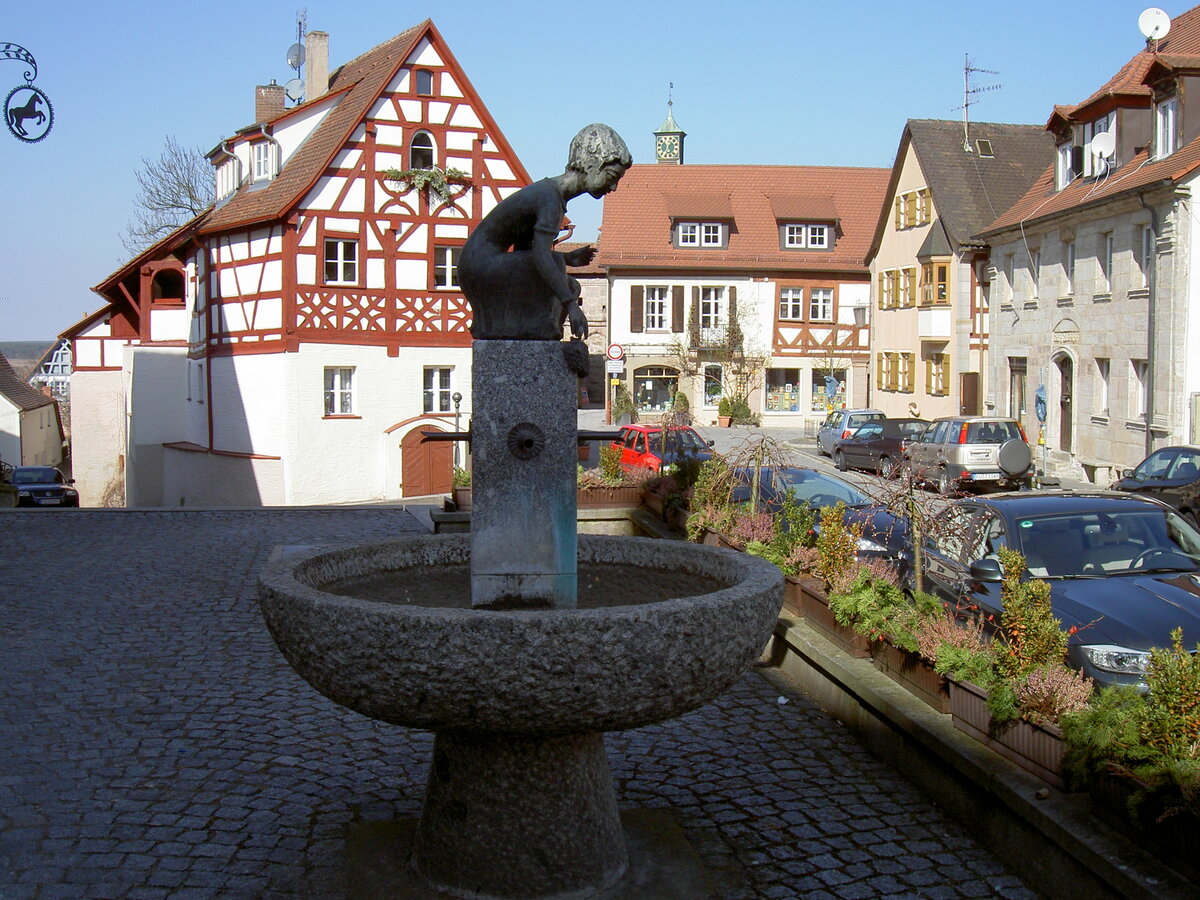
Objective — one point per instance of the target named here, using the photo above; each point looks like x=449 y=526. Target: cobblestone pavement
x=154 y=744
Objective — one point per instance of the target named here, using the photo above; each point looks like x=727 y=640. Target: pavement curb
x=1054 y=843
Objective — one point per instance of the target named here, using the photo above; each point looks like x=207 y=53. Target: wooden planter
x=592 y=498
x=814 y=607
x=1174 y=838
x=1035 y=748
x=792 y=587
x=655 y=504
x=913 y=672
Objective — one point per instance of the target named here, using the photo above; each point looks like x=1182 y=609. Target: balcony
x=934 y=323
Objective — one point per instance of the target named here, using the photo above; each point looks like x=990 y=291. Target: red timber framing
x=394 y=233
x=808 y=338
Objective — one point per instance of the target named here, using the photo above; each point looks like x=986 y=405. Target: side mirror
x=712 y=443
x=987 y=570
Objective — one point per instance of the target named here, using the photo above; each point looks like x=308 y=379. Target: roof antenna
x=295 y=58
x=968 y=94
x=1154 y=24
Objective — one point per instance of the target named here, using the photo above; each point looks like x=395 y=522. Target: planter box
x=914 y=673
x=815 y=609
x=1175 y=838
x=592 y=498
x=655 y=504
x=793 y=585
x=1035 y=748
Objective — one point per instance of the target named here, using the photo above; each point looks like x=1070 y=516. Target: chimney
x=316 y=64
x=268 y=101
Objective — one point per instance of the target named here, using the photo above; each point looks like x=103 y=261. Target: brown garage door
x=426 y=468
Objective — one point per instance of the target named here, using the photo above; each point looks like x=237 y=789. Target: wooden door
x=426 y=468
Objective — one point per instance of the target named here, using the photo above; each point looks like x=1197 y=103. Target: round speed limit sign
x=615 y=351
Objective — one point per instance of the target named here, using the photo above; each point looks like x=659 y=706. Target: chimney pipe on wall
x=316 y=65
x=268 y=101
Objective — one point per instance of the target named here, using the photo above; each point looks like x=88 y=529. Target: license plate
x=51 y=501
x=985 y=477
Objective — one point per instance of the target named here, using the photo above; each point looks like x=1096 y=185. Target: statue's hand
x=579 y=326
x=580 y=256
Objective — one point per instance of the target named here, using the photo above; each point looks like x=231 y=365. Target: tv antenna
x=969 y=92
x=1154 y=24
x=295 y=58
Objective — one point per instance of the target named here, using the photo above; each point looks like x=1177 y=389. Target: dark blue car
x=1124 y=571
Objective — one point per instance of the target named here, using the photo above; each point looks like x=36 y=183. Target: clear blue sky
x=761 y=81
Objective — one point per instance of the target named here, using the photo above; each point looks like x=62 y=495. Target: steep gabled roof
x=17 y=391
x=636 y=228
x=968 y=189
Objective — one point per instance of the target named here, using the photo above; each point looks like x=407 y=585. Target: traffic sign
x=614 y=366
x=615 y=351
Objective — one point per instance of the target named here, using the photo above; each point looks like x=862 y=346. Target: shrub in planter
x=460 y=478
x=610 y=462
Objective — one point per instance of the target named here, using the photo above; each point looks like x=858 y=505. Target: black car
x=884 y=535
x=1124 y=571
x=1171 y=475
x=43 y=486
x=876 y=446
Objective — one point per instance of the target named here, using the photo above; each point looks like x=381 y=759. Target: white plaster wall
x=156 y=405
x=249 y=414
x=292 y=133
x=169 y=324
x=41 y=438
x=1191 y=326
x=10 y=432
x=97 y=433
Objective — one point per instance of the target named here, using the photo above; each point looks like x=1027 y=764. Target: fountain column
x=523 y=433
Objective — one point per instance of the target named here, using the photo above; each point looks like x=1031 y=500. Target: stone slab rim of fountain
x=543 y=671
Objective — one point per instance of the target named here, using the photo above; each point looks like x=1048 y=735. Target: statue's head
x=596 y=146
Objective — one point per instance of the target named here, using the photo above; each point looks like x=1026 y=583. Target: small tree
x=172 y=190
x=742 y=360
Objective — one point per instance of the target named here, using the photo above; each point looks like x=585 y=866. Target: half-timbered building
x=289 y=345
x=719 y=268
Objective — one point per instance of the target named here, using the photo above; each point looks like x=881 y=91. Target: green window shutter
x=637 y=304
x=677 y=308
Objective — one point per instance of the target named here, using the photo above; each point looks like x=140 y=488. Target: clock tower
x=668 y=140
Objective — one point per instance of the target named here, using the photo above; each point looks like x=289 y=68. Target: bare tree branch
x=172 y=189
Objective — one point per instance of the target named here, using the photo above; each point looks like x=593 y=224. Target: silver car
x=842 y=423
x=961 y=451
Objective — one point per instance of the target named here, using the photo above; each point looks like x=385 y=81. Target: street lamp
x=457 y=398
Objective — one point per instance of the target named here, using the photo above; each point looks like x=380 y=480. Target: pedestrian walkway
x=154 y=743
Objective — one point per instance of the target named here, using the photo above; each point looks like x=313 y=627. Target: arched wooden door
x=425 y=468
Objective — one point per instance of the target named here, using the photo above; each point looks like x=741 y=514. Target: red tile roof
x=361 y=80
x=636 y=227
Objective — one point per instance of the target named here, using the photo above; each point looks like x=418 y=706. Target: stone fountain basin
x=524 y=671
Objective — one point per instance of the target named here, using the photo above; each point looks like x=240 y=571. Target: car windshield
x=992 y=432
x=1113 y=542
x=811 y=488
x=36 y=476
x=1182 y=465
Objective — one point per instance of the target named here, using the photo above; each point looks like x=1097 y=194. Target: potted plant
x=460 y=489
x=437 y=182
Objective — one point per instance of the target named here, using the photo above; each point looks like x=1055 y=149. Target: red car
x=646 y=447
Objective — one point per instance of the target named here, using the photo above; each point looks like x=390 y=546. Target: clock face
x=668 y=146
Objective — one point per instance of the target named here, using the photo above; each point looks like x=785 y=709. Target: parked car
x=841 y=423
x=1172 y=475
x=43 y=486
x=878 y=445
x=884 y=535
x=963 y=451
x=1122 y=570
x=650 y=447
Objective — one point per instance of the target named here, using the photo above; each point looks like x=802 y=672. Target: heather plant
x=1049 y=693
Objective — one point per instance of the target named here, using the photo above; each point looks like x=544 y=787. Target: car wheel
x=887 y=467
x=945 y=484
x=839 y=460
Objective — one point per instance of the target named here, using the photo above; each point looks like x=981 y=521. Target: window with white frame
x=262 y=167
x=700 y=234
x=420 y=151
x=1008 y=277
x=1018 y=382
x=714 y=385
x=341 y=261
x=1145 y=253
x=791 y=304
x=1139 y=387
x=820 y=305
x=1106 y=261
x=437 y=390
x=1093 y=164
x=339 y=391
x=1068 y=268
x=1035 y=273
x=655 y=315
x=712 y=307
x=445 y=267
x=687 y=234
x=1165 y=119
x=710 y=235
x=424 y=82
x=1064 y=170
x=1103 y=371
x=937 y=369
x=806 y=237
x=887 y=289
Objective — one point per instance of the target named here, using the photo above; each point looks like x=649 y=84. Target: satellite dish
x=295 y=56
x=1154 y=24
x=1104 y=144
x=294 y=90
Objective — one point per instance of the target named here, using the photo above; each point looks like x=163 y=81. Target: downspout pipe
x=1152 y=287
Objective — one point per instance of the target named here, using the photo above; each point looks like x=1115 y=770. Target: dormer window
x=262 y=166
x=1166 y=116
x=805 y=236
x=1065 y=165
x=702 y=234
x=1093 y=163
